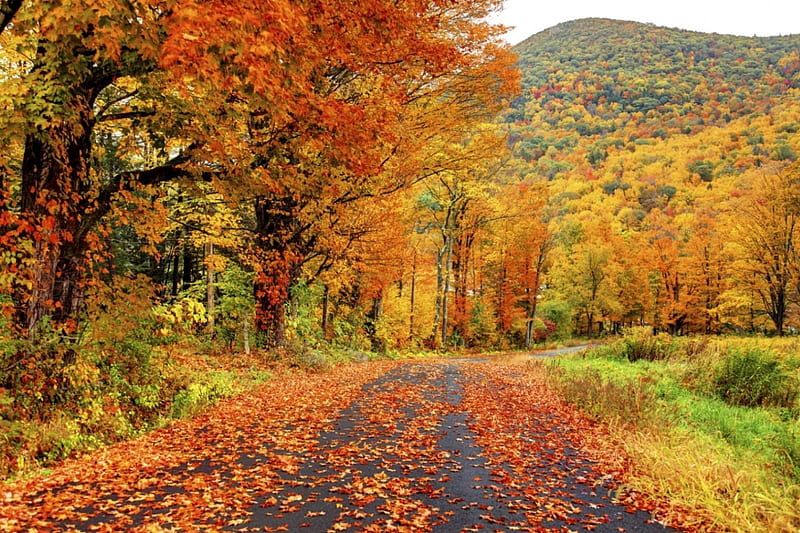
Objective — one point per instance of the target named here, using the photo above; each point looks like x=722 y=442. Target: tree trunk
x=590 y=324
x=55 y=179
x=437 y=315
x=448 y=262
x=413 y=298
x=188 y=266
x=532 y=297
x=372 y=323
x=460 y=267
x=325 y=312
x=246 y=333
x=278 y=257
x=503 y=315
x=210 y=303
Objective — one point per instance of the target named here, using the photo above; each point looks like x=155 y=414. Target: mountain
x=594 y=83
x=644 y=67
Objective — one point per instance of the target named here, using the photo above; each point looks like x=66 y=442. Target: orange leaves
x=286 y=463
x=180 y=472
x=228 y=44
x=328 y=103
x=236 y=465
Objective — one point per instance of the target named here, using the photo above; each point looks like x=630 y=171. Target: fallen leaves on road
x=374 y=447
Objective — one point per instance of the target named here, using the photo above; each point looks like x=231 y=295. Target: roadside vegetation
x=132 y=372
x=712 y=422
x=105 y=394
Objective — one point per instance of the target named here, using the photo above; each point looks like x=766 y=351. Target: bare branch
x=171 y=170
x=108 y=105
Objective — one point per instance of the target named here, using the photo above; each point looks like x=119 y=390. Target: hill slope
x=666 y=79
x=648 y=142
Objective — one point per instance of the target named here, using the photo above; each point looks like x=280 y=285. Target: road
x=443 y=446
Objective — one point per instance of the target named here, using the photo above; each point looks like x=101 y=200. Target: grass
x=737 y=466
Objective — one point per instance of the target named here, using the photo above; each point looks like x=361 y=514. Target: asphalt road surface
x=444 y=446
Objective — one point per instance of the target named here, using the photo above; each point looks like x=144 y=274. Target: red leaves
x=183 y=471
x=400 y=457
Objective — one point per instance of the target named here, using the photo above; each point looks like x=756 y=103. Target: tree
x=72 y=57
x=253 y=98
x=522 y=243
x=707 y=266
x=585 y=271
x=377 y=111
x=456 y=199
x=766 y=237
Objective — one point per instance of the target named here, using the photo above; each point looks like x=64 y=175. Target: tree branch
x=125 y=115
x=108 y=105
x=8 y=9
x=171 y=170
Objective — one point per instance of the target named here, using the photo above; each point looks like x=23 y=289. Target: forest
x=305 y=181
x=668 y=160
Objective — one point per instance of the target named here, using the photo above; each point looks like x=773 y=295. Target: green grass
x=209 y=388
x=736 y=465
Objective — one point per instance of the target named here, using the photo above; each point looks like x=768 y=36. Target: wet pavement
x=445 y=446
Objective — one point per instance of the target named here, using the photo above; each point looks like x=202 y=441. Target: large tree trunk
x=53 y=219
x=278 y=258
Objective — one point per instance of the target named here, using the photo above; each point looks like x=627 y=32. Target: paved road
x=436 y=446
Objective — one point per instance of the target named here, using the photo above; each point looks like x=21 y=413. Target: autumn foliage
x=174 y=171
x=336 y=177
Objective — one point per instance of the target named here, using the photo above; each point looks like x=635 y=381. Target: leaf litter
x=388 y=446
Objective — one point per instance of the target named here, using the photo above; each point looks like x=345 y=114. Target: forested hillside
x=667 y=157
x=635 y=81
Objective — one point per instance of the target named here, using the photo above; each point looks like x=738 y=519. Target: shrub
x=640 y=344
x=543 y=329
x=199 y=395
x=753 y=377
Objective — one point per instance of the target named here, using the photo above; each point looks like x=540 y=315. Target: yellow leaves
x=183 y=314
x=216 y=263
x=132 y=301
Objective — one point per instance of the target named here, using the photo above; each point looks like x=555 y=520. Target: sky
x=735 y=17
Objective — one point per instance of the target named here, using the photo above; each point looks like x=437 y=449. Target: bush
x=640 y=344
x=202 y=394
x=753 y=377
